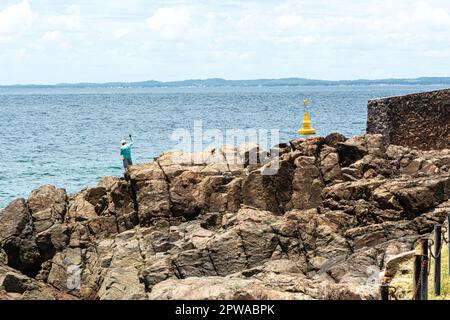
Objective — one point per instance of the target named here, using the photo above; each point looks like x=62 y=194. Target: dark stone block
x=419 y=121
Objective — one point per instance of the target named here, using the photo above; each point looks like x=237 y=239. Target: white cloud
x=53 y=39
x=229 y=38
x=51 y=36
x=288 y=21
x=120 y=33
x=71 y=20
x=21 y=55
x=170 y=22
x=433 y=15
x=16 y=18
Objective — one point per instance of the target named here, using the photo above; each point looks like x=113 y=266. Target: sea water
x=71 y=137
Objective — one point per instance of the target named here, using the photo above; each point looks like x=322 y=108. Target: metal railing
x=429 y=250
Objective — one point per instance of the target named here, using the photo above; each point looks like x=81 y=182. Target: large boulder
x=122 y=204
x=349 y=154
x=17 y=238
x=307 y=184
x=192 y=194
x=16 y=286
x=270 y=187
x=47 y=206
x=334 y=138
x=151 y=188
x=329 y=164
x=82 y=206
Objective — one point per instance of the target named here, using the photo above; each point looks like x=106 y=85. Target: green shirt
x=125 y=151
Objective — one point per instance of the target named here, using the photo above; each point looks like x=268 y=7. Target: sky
x=54 y=41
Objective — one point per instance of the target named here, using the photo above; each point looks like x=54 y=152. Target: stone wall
x=417 y=120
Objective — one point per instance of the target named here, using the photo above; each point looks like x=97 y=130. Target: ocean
x=70 y=137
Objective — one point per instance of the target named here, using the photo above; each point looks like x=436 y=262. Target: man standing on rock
x=125 y=153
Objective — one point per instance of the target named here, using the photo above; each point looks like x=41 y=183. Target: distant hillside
x=217 y=82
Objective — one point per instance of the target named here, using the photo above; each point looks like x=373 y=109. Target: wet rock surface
x=218 y=225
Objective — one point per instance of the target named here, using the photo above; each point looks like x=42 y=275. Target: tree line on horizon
x=218 y=82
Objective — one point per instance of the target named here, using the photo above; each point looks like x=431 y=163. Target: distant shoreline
x=217 y=82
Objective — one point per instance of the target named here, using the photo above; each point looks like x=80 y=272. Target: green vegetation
x=404 y=280
x=445 y=278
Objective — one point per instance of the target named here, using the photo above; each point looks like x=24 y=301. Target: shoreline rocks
x=215 y=225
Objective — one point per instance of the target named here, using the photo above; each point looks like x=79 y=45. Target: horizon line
x=224 y=80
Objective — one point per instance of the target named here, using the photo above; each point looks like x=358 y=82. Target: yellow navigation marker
x=306 y=128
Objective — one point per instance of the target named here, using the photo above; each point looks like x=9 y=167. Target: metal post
x=448 y=239
x=424 y=287
x=437 y=260
x=417 y=290
x=384 y=292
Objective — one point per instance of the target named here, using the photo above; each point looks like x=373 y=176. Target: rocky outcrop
x=16 y=286
x=218 y=225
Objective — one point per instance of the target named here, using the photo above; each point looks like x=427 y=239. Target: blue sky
x=52 y=41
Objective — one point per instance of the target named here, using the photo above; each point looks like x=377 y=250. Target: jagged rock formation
x=213 y=225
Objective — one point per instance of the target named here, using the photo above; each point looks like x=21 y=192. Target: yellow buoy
x=306 y=127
